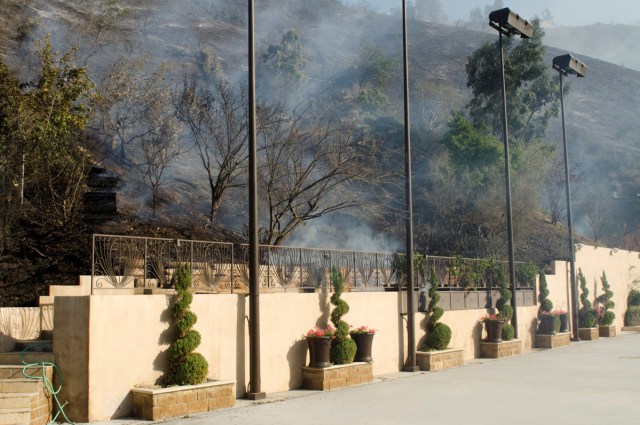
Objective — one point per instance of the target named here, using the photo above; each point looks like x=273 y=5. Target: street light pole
x=410 y=365
x=565 y=65
x=254 y=392
x=509 y=23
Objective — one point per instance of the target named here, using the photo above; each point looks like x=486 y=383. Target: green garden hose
x=47 y=383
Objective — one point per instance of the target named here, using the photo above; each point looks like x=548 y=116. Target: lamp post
x=566 y=65
x=254 y=392
x=509 y=23
x=410 y=365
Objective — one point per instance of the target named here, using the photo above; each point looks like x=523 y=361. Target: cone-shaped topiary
x=343 y=348
x=185 y=366
x=438 y=334
x=586 y=316
x=606 y=300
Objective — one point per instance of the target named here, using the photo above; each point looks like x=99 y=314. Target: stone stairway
x=23 y=400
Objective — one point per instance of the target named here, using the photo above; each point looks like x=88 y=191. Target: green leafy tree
x=532 y=95
x=343 y=348
x=503 y=304
x=586 y=315
x=185 y=366
x=545 y=303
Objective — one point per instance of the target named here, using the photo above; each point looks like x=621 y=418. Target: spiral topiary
x=586 y=316
x=607 y=303
x=343 y=348
x=504 y=308
x=438 y=334
x=545 y=303
x=185 y=366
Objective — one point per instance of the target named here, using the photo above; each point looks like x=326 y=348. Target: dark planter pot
x=319 y=349
x=564 y=323
x=548 y=325
x=494 y=330
x=364 y=343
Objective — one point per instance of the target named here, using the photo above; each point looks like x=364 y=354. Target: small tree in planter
x=632 y=315
x=547 y=320
x=343 y=349
x=586 y=315
x=185 y=366
x=439 y=334
x=504 y=308
x=606 y=300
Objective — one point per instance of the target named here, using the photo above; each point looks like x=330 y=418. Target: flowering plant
x=362 y=330
x=559 y=313
x=491 y=318
x=316 y=331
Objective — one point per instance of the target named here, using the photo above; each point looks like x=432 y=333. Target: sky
x=564 y=12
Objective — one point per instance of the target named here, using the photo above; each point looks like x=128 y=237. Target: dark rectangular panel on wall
x=457 y=300
x=519 y=298
x=529 y=298
x=445 y=300
x=471 y=300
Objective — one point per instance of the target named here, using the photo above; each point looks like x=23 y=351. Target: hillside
x=600 y=114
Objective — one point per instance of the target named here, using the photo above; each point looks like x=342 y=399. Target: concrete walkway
x=585 y=383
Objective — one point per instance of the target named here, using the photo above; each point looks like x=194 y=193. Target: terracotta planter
x=494 y=330
x=319 y=349
x=564 y=323
x=364 y=343
x=547 y=325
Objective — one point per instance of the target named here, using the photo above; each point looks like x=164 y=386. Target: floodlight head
x=510 y=23
x=567 y=64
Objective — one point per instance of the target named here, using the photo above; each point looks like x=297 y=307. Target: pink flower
x=364 y=329
x=316 y=331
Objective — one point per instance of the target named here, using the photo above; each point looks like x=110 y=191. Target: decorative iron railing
x=120 y=262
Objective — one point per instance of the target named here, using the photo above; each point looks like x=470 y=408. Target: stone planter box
x=588 y=334
x=160 y=403
x=561 y=339
x=631 y=328
x=498 y=350
x=607 y=331
x=339 y=376
x=438 y=360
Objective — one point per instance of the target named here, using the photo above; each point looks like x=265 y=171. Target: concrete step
x=16 y=385
x=13 y=358
x=16 y=371
x=15 y=416
x=16 y=401
x=34 y=346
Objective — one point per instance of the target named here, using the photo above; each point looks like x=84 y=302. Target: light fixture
x=509 y=23
x=569 y=65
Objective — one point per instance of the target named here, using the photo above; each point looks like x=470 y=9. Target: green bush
x=608 y=318
x=438 y=334
x=632 y=316
x=508 y=333
x=586 y=316
x=545 y=303
x=185 y=366
x=633 y=300
x=606 y=300
x=438 y=338
x=343 y=348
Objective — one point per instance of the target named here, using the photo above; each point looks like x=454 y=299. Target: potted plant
x=547 y=319
x=438 y=334
x=493 y=324
x=343 y=349
x=319 y=342
x=606 y=316
x=363 y=337
x=563 y=319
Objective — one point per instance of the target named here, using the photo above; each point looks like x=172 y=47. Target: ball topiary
x=185 y=366
x=633 y=299
x=438 y=338
x=508 y=333
x=438 y=334
x=343 y=348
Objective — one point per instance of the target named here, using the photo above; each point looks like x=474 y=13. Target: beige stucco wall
x=621 y=267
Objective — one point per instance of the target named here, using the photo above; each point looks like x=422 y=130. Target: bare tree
x=217 y=122
x=598 y=214
x=305 y=163
x=159 y=143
